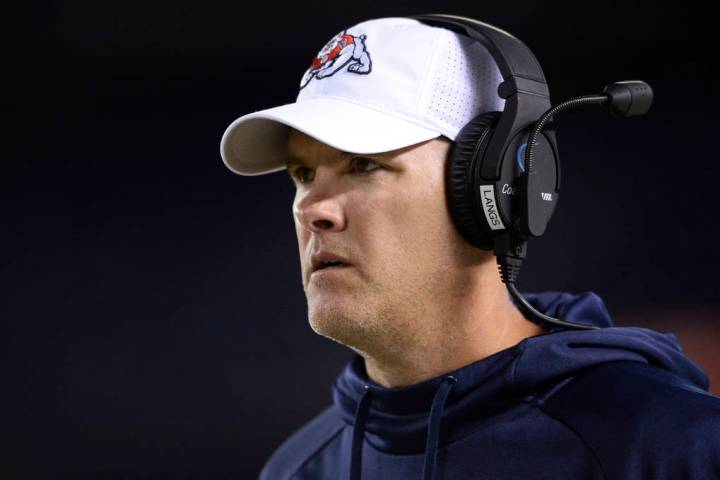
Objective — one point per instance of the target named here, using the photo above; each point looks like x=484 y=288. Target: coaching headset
x=503 y=175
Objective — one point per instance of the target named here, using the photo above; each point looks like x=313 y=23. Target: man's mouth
x=328 y=265
x=327 y=261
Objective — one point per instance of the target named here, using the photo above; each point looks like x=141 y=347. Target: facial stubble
x=370 y=318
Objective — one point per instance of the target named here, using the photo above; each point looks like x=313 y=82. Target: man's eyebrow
x=292 y=160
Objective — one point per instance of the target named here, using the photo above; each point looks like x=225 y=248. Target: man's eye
x=303 y=174
x=363 y=164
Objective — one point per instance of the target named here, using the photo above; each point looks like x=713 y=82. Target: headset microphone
x=623 y=99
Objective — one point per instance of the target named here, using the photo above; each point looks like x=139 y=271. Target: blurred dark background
x=153 y=318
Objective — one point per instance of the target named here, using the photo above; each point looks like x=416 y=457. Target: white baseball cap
x=378 y=86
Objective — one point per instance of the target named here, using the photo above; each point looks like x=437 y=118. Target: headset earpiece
x=483 y=209
x=461 y=174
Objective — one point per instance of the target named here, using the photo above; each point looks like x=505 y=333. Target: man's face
x=386 y=215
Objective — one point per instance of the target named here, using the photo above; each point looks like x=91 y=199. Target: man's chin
x=337 y=322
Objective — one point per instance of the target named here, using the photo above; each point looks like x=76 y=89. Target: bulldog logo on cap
x=342 y=50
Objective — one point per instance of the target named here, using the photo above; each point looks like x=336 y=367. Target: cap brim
x=256 y=143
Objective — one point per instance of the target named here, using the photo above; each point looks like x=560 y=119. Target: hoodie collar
x=396 y=420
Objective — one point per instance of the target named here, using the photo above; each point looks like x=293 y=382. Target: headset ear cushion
x=473 y=138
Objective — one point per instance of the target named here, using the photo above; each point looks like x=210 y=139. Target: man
x=450 y=380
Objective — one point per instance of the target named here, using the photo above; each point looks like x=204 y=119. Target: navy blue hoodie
x=613 y=403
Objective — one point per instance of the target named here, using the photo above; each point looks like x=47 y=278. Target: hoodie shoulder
x=641 y=421
x=302 y=445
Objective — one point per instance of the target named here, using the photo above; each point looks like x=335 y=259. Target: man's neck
x=464 y=338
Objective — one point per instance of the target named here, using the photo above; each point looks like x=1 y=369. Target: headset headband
x=512 y=56
x=524 y=88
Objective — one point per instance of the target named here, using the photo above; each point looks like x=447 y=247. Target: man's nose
x=320 y=209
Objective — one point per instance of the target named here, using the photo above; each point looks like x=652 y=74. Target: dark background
x=154 y=324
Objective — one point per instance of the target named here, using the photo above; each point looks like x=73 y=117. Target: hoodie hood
x=407 y=420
